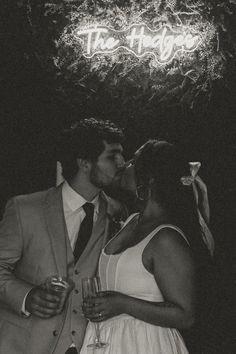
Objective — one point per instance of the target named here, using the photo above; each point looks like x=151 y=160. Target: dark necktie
x=84 y=231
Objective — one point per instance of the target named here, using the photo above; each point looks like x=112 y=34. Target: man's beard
x=103 y=180
x=96 y=177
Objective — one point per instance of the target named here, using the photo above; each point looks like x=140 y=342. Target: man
x=42 y=234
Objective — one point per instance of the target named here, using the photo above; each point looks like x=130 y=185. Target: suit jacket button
x=76 y=291
x=73 y=333
x=75 y=311
x=76 y=271
x=55 y=333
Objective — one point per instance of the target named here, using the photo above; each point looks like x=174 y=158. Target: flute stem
x=97 y=331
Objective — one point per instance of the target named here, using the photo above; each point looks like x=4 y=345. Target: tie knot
x=88 y=208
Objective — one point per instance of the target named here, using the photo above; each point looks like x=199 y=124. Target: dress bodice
x=125 y=272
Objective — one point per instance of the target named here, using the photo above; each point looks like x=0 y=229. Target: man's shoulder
x=32 y=199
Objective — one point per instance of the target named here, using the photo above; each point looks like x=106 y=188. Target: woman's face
x=129 y=180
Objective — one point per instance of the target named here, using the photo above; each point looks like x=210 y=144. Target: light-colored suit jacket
x=34 y=245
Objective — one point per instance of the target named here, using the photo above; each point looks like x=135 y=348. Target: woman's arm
x=173 y=269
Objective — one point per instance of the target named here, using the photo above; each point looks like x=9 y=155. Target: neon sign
x=139 y=40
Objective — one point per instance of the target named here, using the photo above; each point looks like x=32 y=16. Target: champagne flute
x=58 y=285
x=90 y=288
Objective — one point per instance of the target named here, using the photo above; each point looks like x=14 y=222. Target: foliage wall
x=47 y=82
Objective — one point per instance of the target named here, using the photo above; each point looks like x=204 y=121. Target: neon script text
x=139 y=40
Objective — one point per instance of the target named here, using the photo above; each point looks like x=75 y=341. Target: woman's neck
x=153 y=213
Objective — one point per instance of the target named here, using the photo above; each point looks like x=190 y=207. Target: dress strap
x=146 y=240
x=132 y=216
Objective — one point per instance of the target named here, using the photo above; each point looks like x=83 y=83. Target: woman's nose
x=129 y=163
x=128 y=177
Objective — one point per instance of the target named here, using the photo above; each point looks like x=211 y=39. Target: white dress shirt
x=74 y=212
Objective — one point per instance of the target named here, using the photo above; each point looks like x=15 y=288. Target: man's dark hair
x=85 y=140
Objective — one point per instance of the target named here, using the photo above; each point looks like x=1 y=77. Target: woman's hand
x=106 y=305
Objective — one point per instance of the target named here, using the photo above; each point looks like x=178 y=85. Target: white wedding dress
x=125 y=334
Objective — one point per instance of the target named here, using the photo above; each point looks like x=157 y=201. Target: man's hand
x=40 y=302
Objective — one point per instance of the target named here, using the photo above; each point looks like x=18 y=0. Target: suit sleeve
x=12 y=289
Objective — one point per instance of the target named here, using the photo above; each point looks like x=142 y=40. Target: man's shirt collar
x=74 y=200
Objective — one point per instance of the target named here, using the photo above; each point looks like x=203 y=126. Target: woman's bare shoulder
x=169 y=241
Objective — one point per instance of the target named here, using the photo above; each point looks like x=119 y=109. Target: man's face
x=108 y=167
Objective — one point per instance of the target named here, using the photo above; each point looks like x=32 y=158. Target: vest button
x=76 y=271
x=55 y=333
x=73 y=333
x=75 y=311
x=76 y=291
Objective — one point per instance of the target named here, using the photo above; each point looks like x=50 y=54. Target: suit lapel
x=55 y=222
x=107 y=211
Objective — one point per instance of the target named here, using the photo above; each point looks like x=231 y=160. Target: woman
x=149 y=270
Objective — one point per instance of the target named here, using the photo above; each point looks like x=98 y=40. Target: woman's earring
x=140 y=192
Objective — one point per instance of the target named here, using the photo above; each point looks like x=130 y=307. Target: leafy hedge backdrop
x=133 y=89
x=47 y=83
